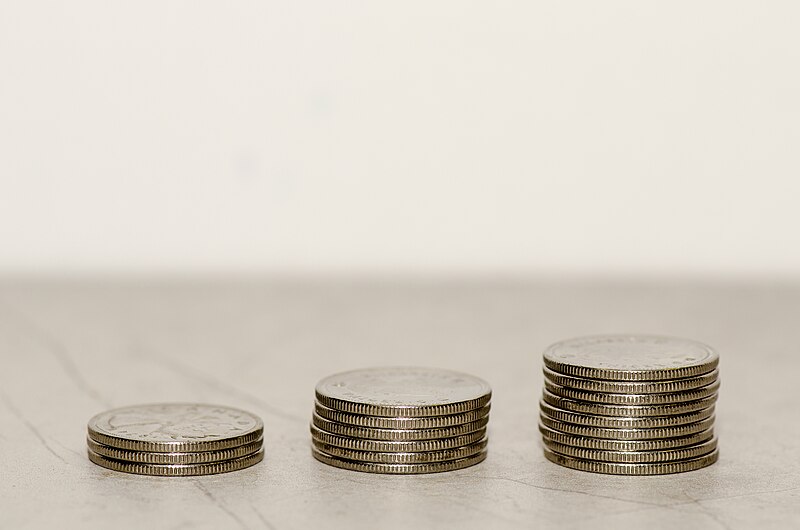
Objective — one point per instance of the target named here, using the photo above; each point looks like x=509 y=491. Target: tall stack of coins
x=629 y=405
x=175 y=439
x=400 y=420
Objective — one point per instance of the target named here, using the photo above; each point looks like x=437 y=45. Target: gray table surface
x=71 y=349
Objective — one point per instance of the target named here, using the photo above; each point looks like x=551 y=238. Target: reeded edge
x=631 y=387
x=604 y=444
x=651 y=422
x=659 y=456
x=610 y=398
x=627 y=411
x=365 y=409
x=606 y=433
x=445 y=455
x=143 y=457
x=610 y=468
x=176 y=447
x=399 y=469
x=384 y=446
x=180 y=470
x=399 y=435
x=380 y=422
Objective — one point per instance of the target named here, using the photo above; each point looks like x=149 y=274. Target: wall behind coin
x=615 y=137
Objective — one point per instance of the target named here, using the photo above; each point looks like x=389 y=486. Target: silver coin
x=631 y=387
x=385 y=446
x=612 y=468
x=649 y=422
x=145 y=457
x=604 y=444
x=456 y=453
x=381 y=422
x=633 y=457
x=398 y=435
x=630 y=411
x=182 y=470
x=175 y=427
x=630 y=358
x=632 y=399
x=627 y=433
x=398 y=469
x=403 y=392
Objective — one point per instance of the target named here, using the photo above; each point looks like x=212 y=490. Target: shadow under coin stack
x=401 y=420
x=175 y=439
x=629 y=405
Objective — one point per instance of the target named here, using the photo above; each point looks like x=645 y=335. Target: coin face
x=174 y=427
x=630 y=357
x=417 y=391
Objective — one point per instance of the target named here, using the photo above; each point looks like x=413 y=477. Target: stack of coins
x=400 y=420
x=175 y=439
x=629 y=405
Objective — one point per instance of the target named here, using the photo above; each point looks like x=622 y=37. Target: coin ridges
x=611 y=468
x=627 y=433
x=632 y=399
x=355 y=431
x=633 y=457
x=630 y=357
x=143 y=457
x=383 y=446
x=628 y=411
x=631 y=387
x=456 y=453
x=182 y=470
x=624 y=423
x=399 y=469
x=605 y=444
x=380 y=422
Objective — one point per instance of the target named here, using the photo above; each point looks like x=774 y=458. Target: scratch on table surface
x=30 y=426
x=264 y=520
x=60 y=352
x=216 y=502
x=709 y=513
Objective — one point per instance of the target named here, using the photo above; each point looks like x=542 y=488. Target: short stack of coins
x=175 y=439
x=630 y=404
x=401 y=420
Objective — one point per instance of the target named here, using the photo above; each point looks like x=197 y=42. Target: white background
x=580 y=137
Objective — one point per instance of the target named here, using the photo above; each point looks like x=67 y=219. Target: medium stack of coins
x=630 y=405
x=175 y=439
x=400 y=420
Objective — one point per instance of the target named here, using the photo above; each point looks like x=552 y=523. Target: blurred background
x=450 y=138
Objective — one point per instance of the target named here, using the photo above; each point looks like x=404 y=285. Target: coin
x=633 y=457
x=456 y=453
x=399 y=469
x=602 y=444
x=612 y=468
x=383 y=446
x=173 y=470
x=630 y=411
x=355 y=431
x=631 y=387
x=380 y=422
x=632 y=399
x=403 y=392
x=627 y=433
x=175 y=427
x=630 y=358
x=144 y=457
x=651 y=422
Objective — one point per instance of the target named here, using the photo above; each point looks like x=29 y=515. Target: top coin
x=630 y=357
x=175 y=427
x=403 y=392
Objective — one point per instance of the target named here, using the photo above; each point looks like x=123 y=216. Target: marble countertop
x=71 y=349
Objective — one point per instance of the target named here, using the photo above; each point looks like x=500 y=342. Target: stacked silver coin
x=401 y=420
x=630 y=405
x=175 y=439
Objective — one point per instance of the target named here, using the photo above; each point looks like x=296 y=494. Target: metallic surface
x=456 y=453
x=381 y=422
x=604 y=444
x=383 y=446
x=144 y=457
x=627 y=433
x=633 y=457
x=611 y=468
x=184 y=470
x=399 y=469
x=397 y=434
x=612 y=422
x=632 y=399
x=628 y=411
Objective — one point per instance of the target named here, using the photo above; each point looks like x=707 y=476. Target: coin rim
x=399 y=469
x=626 y=434
x=627 y=411
x=145 y=457
x=612 y=468
x=631 y=387
x=388 y=446
x=176 y=470
x=605 y=444
x=355 y=431
x=380 y=422
x=658 y=456
x=611 y=398
x=618 y=422
x=427 y=457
